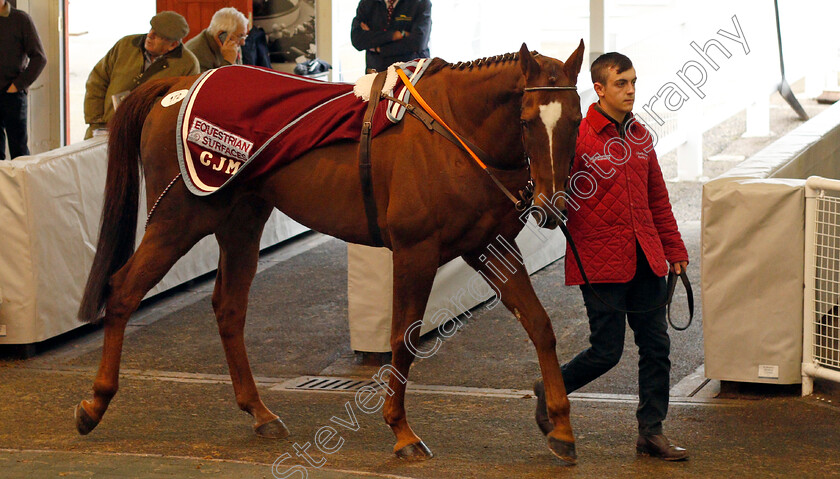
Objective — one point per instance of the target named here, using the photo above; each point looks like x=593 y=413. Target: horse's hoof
x=272 y=430
x=84 y=423
x=563 y=450
x=415 y=452
x=541 y=414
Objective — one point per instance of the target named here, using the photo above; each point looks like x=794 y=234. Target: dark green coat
x=121 y=69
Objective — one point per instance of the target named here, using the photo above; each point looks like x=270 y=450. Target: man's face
x=158 y=45
x=239 y=36
x=619 y=92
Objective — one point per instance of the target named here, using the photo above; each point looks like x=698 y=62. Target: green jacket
x=120 y=70
x=208 y=52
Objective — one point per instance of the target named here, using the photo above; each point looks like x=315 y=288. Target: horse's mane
x=439 y=64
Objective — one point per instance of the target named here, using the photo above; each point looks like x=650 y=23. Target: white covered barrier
x=50 y=206
x=753 y=255
x=457 y=287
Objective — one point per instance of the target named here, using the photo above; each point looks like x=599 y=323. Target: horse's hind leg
x=160 y=248
x=517 y=294
x=239 y=240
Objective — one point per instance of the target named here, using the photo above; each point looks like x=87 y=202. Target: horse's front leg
x=511 y=281
x=239 y=249
x=414 y=273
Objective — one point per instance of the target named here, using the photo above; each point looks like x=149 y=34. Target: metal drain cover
x=326 y=383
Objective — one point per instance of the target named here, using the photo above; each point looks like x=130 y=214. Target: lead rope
x=165 y=190
x=669 y=295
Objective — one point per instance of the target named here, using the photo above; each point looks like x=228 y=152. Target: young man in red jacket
x=627 y=236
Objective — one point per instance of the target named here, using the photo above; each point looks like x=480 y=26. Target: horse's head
x=550 y=118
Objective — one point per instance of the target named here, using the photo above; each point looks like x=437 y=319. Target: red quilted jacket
x=616 y=201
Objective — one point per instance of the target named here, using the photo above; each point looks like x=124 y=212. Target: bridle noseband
x=539 y=88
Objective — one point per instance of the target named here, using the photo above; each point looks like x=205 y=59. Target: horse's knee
x=230 y=322
x=543 y=338
x=403 y=348
x=545 y=342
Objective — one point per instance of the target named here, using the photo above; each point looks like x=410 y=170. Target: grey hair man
x=221 y=42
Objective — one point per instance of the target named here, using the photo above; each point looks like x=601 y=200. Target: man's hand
x=365 y=27
x=399 y=35
x=12 y=89
x=230 y=49
x=679 y=266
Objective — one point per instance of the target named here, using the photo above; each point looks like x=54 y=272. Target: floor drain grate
x=327 y=383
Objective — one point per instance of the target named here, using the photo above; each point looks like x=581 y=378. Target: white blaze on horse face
x=550 y=114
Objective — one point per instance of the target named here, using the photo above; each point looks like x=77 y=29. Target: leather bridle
x=435 y=123
x=528 y=193
x=541 y=88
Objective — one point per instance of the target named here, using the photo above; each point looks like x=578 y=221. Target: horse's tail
x=118 y=225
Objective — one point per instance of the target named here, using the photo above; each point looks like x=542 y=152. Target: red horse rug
x=244 y=121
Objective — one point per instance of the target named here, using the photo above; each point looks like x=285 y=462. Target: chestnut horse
x=434 y=204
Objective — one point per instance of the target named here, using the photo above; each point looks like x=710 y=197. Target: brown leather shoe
x=659 y=446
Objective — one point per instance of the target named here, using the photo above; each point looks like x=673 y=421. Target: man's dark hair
x=602 y=65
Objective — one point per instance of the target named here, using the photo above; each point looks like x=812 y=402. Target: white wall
x=91 y=35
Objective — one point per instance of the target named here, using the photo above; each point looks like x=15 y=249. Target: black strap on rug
x=364 y=160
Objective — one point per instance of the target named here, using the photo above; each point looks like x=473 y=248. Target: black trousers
x=644 y=291
x=13 y=124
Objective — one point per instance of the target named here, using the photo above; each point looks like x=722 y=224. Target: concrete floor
x=175 y=415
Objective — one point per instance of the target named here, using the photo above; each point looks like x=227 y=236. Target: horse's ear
x=530 y=67
x=572 y=66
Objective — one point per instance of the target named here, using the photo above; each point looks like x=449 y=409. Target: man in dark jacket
x=21 y=62
x=391 y=31
x=626 y=234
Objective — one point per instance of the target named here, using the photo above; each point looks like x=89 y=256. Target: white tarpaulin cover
x=752 y=270
x=50 y=205
x=370 y=286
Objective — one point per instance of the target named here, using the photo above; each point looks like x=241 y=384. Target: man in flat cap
x=135 y=59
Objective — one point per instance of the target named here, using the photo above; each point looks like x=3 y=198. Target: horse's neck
x=483 y=104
